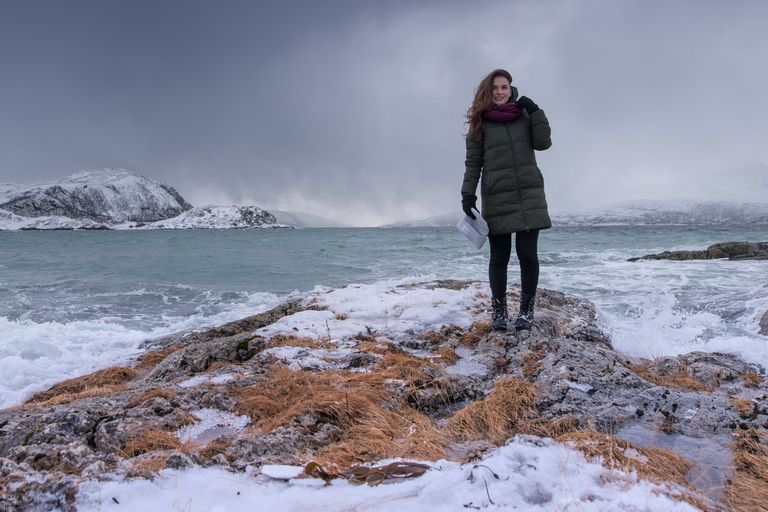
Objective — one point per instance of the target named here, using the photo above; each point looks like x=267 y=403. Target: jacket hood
x=513 y=90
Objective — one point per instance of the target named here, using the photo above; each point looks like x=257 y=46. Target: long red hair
x=483 y=101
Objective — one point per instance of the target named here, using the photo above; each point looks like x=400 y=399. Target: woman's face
x=501 y=90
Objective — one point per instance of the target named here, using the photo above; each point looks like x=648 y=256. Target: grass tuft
x=497 y=417
x=99 y=383
x=150 y=441
x=679 y=380
x=334 y=398
x=156 y=357
x=748 y=489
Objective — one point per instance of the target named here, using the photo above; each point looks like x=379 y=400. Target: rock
x=567 y=356
x=181 y=461
x=108 y=196
x=764 y=324
x=95 y=469
x=730 y=250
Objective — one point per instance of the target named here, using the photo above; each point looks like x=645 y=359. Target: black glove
x=528 y=104
x=467 y=203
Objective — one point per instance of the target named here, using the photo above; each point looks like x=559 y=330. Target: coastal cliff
x=317 y=379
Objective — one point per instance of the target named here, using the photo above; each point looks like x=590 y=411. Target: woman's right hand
x=467 y=203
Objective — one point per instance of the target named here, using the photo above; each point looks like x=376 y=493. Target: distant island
x=120 y=199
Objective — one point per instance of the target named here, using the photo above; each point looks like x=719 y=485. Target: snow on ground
x=383 y=307
x=528 y=474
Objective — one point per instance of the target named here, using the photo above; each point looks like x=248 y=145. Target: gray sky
x=353 y=109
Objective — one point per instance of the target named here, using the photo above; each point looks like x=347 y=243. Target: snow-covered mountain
x=107 y=196
x=214 y=217
x=446 y=220
x=669 y=212
x=116 y=199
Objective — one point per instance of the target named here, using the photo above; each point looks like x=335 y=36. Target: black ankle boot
x=499 y=318
x=525 y=316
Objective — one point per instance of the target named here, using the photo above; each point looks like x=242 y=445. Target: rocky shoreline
x=247 y=394
x=734 y=251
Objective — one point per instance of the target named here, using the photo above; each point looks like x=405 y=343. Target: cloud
x=354 y=110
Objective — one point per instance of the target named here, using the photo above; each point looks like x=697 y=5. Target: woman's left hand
x=528 y=104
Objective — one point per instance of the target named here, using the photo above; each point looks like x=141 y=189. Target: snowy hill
x=214 y=217
x=446 y=220
x=103 y=197
x=734 y=196
x=650 y=212
x=116 y=199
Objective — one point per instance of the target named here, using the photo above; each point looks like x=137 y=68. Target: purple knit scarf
x=503 y=113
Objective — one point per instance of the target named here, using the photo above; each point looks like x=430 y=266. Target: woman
x=503 y=133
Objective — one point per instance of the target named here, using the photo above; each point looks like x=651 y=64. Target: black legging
x=526 y=243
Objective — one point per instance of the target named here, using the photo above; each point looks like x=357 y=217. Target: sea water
x=72 y=302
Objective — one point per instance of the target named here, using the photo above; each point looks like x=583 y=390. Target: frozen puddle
x=213 y=423
x=714 y=464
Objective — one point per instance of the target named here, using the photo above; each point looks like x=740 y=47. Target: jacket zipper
x=517 y=176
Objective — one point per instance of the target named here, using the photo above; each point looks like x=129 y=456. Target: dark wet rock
x=181 y=461
x=764 y=324
x=730 y=250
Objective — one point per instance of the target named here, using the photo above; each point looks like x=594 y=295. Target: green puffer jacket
x=512 y=186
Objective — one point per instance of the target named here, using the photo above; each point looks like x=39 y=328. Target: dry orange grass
x=532 y=363
x=215 y=447
x=678 y=380
x=379 y=347
x=343 y=400
x=747 y=490
x=216 y=365
x=99 y=383
x=549 y=428
x=402 y=433
x=470 y=339
x=752 y=380
x=150 y=441
x=149 y=395
x=746 y=493
x=402 y=366
x=71 y=397
x=744 y=406
x=434 y=338
x=498 y=416
x=750 y=453
x=148 y=467
x=280 y=340
x=481 y=327
x=447 y=356
x=500 y=365
x=156 y=357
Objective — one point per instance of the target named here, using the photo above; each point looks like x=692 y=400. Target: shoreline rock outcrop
x=734 y=251
x=236 y=397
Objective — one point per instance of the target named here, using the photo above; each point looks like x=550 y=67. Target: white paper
x=476 y=230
